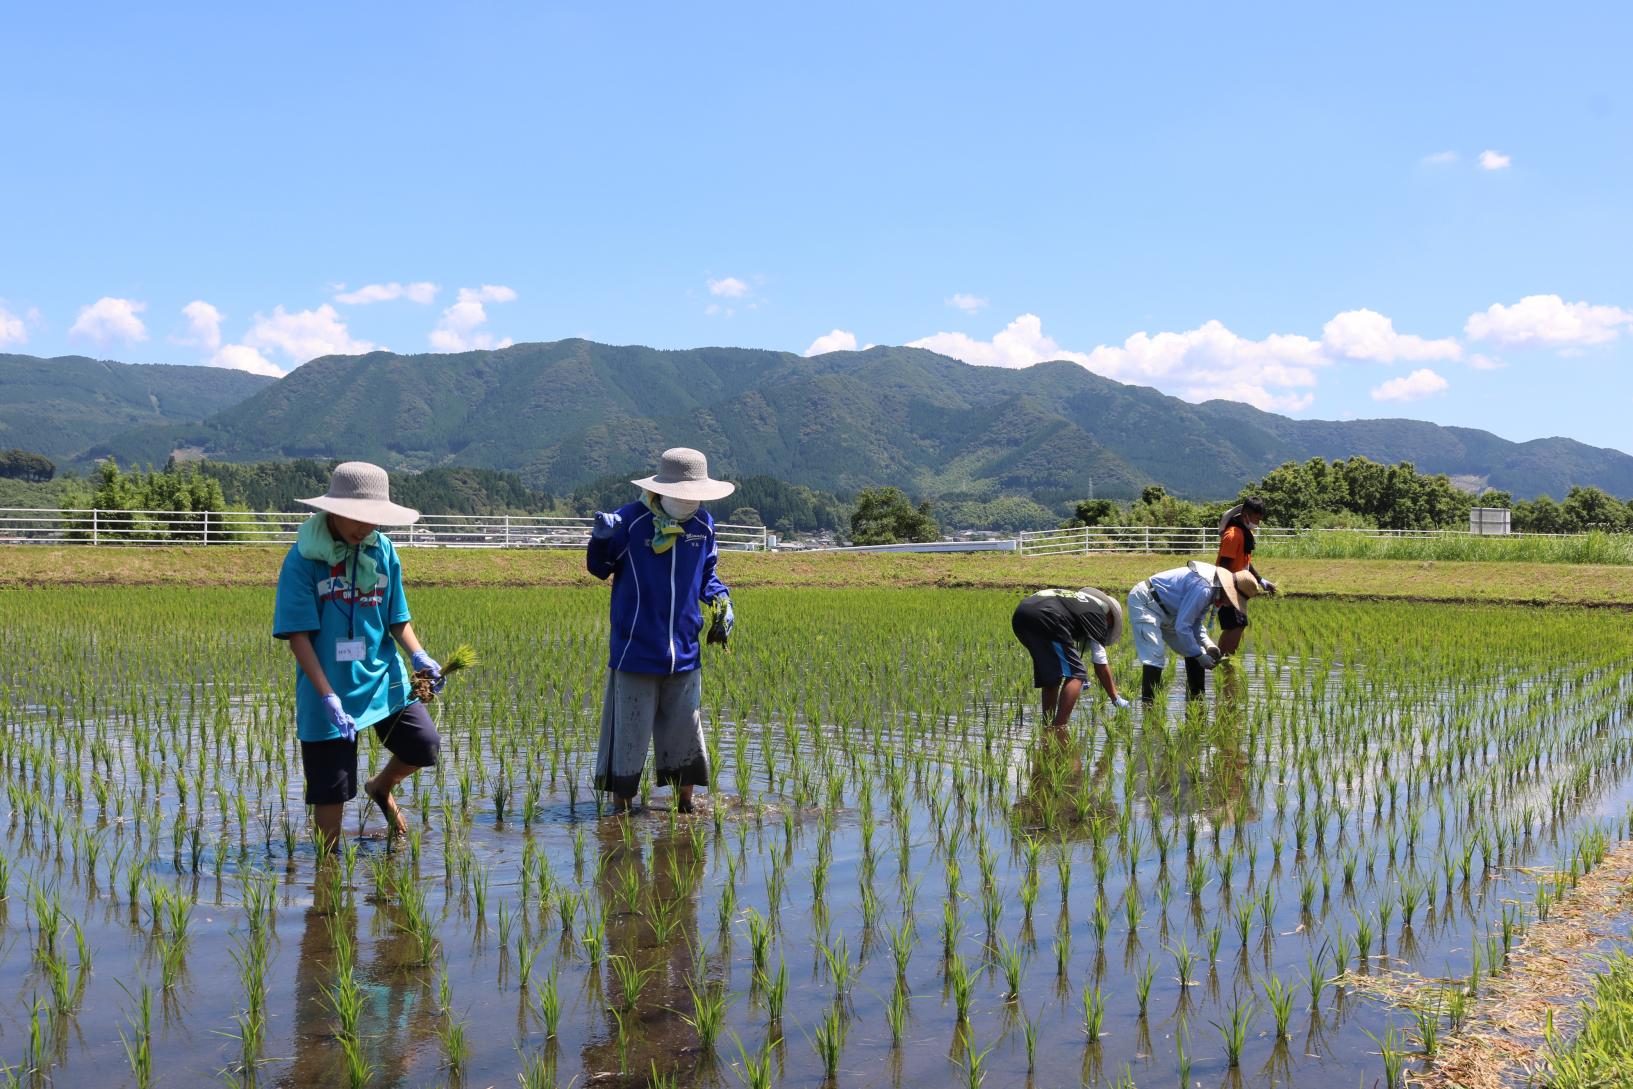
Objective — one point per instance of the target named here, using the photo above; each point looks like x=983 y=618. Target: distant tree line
x=1358 y=493
x=22 y=465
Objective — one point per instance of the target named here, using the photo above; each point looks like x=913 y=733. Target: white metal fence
x=157 y=527
x=1190 y=539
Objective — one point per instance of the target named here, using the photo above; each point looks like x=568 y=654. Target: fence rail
x=1199 y=539
x=158 y=527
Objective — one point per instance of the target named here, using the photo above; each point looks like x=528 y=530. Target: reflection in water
x=394 y=1019
x=652 y=953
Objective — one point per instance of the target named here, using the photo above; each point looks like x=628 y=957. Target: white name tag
x=349 y=650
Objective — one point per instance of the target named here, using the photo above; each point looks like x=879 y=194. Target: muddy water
x=627 y=919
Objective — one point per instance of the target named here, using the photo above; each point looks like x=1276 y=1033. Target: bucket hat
x=683 y=473
x=362 y=492
x=1113 y=607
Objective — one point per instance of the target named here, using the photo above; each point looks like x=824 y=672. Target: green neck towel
x=665 y=530
x=315 y=542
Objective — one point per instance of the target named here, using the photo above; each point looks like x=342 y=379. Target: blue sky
x=1401 y=210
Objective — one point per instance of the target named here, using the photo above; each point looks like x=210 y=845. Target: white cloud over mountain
x=1548 y=321
x=110 y=319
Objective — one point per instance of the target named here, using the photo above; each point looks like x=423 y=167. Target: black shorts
x=1053 y=659
x=331 y=766
x=1231 y=618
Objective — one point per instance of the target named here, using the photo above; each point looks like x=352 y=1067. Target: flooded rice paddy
x=894 y=880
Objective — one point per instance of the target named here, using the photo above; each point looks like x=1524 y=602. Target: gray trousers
x=661 y=711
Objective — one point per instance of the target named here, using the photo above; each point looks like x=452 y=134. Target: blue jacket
x=656 y=618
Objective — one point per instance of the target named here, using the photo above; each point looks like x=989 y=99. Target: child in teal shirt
x=340 y=595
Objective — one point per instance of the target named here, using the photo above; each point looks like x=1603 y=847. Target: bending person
x=660 y=552
x=1170 y=610
x=1056 y=627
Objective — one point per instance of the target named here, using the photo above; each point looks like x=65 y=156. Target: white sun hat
x=683 y=473
x=362 y=492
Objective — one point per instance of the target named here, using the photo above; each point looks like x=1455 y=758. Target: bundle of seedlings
x=717 y=625
x=463 y=657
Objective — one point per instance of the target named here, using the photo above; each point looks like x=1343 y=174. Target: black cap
x=1253 y=505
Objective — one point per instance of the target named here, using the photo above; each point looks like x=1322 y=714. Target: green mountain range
x=566 y=413
x=61 y=407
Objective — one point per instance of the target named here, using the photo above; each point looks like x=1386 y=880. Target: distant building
x=1489 y=521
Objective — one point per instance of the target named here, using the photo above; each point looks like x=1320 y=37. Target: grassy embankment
x=1426 y=580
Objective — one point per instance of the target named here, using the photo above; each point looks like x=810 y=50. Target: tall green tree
x=888 y=516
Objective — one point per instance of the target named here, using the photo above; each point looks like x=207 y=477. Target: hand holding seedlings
x=724 y=620
x=605 y=525
x=429 y=677
x=424 y=663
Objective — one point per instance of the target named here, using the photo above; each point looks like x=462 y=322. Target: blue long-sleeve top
x=656 y=596
x=1186 y=593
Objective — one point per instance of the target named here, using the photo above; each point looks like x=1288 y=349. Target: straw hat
x=683 y=473
x=1113 y=607
x=1237 y=586
x=362 y=492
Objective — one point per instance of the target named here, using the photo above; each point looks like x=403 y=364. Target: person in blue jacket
x=341 y=608
x=660 y=552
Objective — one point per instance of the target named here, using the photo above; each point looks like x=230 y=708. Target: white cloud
x=1420 y=383
x=241 y=357
x=203 y=325
x=967 y=303
x=1494 y=160
x=836 y=341
x=305 y=334
x=1367 y=334
x=109 y=319
x=459 y=329
x=1204 y=363
x=728 y=288
x=422 y=292
x=1548 y=320
x=12 y=329
x=1021 y=343
x=1439 y=158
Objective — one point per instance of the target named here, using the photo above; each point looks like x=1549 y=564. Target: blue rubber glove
x=727 y=618
x=424 y=663
x=604 y=526
x=338 y=718
x=1120 y=703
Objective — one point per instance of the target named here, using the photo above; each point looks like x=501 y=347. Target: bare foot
x=388 y=808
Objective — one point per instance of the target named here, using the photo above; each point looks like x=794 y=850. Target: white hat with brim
x=1113 y=607
x=362 y=492
x=683 y=473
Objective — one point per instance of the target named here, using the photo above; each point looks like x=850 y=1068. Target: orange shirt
x=1233 y=552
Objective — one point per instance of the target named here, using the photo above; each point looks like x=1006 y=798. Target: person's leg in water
x=1150 y=683
x=411 y=737
x=680 y=751
x=627 y=713
x=327 y=818
x=379 y=791
x=1059 y=700
x=1196 y=679
x=1232 y=625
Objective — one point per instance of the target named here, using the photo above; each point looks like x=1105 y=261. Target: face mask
x=678 y=509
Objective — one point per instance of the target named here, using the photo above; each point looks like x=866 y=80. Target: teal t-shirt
x=316 y=598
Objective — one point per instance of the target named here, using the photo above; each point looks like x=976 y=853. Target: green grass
x=1601 y=1054
x=1515 y=581
x=1591 y=548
